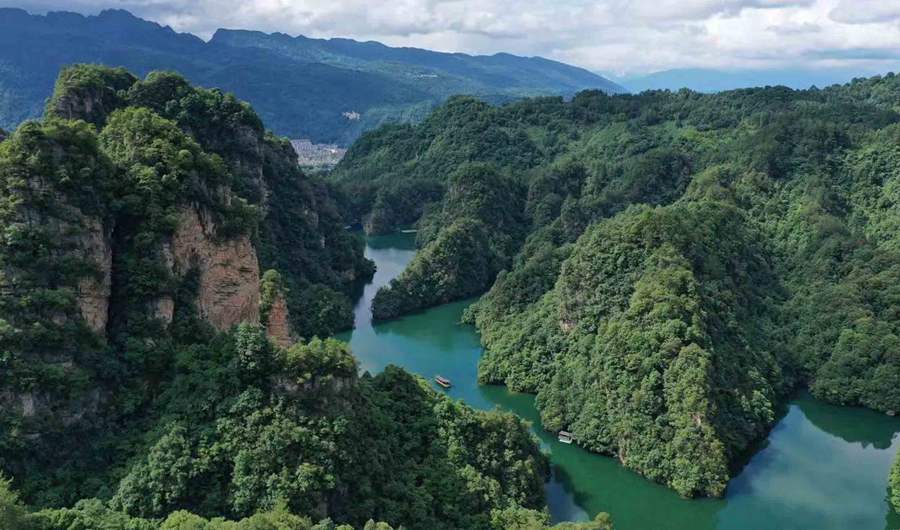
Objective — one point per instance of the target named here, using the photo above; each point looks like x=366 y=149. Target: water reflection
x=813 y=476
x=853 y=425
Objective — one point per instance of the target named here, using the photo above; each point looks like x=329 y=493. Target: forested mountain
x=326 y=90
x=712 y=80
x=439 y=74
x=152 y=377
x=662 y=268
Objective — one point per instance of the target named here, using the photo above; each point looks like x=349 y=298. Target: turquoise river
x=822 y=467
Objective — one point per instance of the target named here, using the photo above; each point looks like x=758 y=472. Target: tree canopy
x=668 y=264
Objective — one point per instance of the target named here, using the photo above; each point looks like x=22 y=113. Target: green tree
x=12 y=511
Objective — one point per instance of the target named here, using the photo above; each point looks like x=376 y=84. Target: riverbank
x=822 y=466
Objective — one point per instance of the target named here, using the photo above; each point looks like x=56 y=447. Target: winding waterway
x=822 y=467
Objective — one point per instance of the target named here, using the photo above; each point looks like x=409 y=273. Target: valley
x=252 y=280
x=821 y=466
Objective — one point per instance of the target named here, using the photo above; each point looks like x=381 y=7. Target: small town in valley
x=317 y=156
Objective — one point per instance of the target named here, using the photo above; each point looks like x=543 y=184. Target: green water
x=822 y=467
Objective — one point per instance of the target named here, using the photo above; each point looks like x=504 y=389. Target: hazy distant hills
x=711 y=80
x=327 y=90
x=436 y=73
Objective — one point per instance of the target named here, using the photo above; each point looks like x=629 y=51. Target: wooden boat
x=443 y=381
x=565 y=437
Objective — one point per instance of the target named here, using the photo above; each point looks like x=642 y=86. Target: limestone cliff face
x=278 y=326
x=94 y=291
x=82 y=238
x=228 y=270
x=82 y=242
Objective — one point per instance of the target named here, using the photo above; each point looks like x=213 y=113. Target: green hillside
x=661 y=269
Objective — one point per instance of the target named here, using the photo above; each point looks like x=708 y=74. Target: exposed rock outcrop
x=228 y=270
x=278 y=326
x=91 y=94
x=94 y=291
x=164 y=309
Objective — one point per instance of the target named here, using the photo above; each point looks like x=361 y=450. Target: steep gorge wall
x=56 y=265
x=228 y=270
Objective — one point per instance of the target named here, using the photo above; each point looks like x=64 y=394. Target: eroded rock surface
x=94 y=291
x=228 y=270
x=278 y=327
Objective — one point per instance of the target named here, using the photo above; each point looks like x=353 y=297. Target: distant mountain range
x=326 y=90
x=711 y=80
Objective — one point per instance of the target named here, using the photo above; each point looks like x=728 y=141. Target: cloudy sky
x=613 y=36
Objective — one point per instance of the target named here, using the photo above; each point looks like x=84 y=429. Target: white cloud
x=619 y=36
x=866 y=11
x=795 y=28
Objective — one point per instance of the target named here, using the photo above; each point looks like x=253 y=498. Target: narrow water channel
x=822 y=467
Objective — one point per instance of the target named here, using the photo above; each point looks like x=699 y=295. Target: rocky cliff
x=278 y=326
x=89 y=94
x=137 y=216
x=56 y=265
x=94 y=290
x=300 y=230
x=228 y=270
x=274 y=312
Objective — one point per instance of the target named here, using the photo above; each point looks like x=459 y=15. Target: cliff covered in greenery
x=660 y=331
x=152 y=376
x=291 y=218
x=683 y=260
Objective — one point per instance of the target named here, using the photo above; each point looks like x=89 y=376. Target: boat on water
x=442 y=381
x=565 y=437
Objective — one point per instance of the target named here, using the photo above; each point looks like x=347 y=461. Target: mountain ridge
x=718 y=80
x=301 y=87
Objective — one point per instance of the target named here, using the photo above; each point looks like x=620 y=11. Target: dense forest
x=661 y=269
x=153 y=376
x=328 y=90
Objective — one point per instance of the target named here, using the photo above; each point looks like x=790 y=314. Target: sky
x=618 y=37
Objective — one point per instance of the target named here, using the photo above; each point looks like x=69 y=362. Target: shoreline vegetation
x=660 y=269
